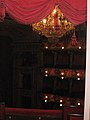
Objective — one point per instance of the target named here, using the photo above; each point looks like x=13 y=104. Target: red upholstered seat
x=75 y=117
x=30 y=112
x=72 y=109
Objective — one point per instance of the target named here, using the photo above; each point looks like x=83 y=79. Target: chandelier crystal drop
x=54 y=25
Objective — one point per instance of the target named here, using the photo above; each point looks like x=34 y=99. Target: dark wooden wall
x=22 y=60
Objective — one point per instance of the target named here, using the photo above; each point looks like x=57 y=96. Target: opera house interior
x=42 y=59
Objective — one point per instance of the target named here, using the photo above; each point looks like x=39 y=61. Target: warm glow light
x=39 y=118
x=44 y=21
x=62 y=77
x=60 y=105
x=54 y=25
x=46 y=75
x=60 y=100
x=62 y=47
x=79 y=104
x=79 y=47
x=78 y=74
x=66 y=21
x=46 y=71
x=62 y=73
x=10 y=117
x=46 y=47
x=46 y=96
x=54 y=11
x=78 y=78
x=45 y=100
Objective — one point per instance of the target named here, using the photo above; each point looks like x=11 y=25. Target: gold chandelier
x=55 y=25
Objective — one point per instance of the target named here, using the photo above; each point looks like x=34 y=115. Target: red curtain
x=31 y=11
x=74 y=10
x=2 y=10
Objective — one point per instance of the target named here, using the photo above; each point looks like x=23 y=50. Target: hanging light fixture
x=55 y=25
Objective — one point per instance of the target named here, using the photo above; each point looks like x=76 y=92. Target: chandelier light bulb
x=66 y=21
x=44 y=21
x=54 y=11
